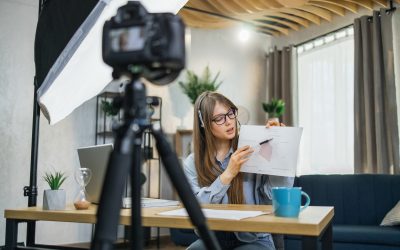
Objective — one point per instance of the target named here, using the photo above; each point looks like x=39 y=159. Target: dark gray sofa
x=361 y=201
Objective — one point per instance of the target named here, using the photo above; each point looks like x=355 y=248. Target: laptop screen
x=96 y=159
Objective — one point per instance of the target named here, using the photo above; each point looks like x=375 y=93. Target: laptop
x=96 y=159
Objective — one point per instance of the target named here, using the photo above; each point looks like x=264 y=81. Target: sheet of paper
x=276 y=149
x=218 y=214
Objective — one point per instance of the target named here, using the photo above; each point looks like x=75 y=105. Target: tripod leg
x=178 y=179
x=136 y=217
x=108 y=212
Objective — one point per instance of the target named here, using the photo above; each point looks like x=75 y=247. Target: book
x=150 y=202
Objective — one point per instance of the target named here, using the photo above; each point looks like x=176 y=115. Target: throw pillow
x=392 y=218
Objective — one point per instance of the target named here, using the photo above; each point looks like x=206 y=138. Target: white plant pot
x=54 y=199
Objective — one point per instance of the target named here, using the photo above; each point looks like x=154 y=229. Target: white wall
x=241 y=67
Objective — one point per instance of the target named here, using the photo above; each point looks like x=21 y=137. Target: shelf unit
x=103 y=132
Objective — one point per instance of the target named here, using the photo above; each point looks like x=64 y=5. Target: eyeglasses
x=221 y=119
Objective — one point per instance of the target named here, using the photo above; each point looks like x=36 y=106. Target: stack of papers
x=218 y=213
x=150 y=202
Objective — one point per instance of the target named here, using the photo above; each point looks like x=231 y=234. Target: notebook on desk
x=150 y=202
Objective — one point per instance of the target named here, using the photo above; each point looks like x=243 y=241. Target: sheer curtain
x=325 y=108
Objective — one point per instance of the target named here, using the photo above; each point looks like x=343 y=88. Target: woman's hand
x=240 y=156
x=272 y=123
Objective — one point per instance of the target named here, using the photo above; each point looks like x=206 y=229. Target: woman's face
x=227 y=130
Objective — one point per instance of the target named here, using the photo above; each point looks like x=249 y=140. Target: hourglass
x=82 y=177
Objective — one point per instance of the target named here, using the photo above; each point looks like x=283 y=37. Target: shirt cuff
x=218 y=189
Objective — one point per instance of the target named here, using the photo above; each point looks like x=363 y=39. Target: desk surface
x=311 y=221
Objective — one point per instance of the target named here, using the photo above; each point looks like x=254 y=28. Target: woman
x=213 y=170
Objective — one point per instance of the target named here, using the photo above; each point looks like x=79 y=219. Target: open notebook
x=150 y=202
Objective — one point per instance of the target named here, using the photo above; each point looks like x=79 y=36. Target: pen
x=266 y=141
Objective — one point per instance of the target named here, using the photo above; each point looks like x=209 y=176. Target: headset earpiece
x=201 y=118
x=199 y=112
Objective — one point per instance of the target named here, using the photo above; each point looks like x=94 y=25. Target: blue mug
x=286 y=201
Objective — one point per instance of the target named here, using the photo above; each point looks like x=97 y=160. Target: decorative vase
x=109 y=125
x=54 y=199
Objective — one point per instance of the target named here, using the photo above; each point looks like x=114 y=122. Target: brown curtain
x=376 y=142
x=279 y=79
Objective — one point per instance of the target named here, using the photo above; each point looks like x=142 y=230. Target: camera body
x=134 y=37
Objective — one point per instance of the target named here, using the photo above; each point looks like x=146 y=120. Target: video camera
x=136 y=40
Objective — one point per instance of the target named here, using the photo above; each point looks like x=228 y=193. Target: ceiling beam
x=303 y=14
x=291 y=25
x=332 y=8
x=341 y=3
x=368 y=4
x=192 y=20
x=382 y=3
x=325 y=14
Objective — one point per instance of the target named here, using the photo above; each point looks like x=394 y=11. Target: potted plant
x=54 y=198
x=195 y=85
x=275 y=109
x=109 y=110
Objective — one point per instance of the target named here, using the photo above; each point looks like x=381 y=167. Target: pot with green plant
x=275 y=109
x=195 y=85
x=54 y=198
x=109 y=111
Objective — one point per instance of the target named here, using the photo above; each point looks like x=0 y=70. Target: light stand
x=127 y=158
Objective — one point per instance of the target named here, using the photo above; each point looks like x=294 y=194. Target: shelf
x=106 y=133
x=109 y=94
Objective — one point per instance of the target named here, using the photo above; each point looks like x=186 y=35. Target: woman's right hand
x=240 y=156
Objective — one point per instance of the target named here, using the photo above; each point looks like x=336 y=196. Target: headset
x=199 y=112
x=201 y=117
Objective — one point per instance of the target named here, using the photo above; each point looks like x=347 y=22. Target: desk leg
x=326 y=237
x=309 y=243
x=11 y=234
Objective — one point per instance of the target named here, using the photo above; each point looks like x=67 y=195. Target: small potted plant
x=109 y=110
x=54 y=198
x=275 y=109
x=195 y=85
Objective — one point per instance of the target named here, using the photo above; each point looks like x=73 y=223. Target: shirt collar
x=226 y=157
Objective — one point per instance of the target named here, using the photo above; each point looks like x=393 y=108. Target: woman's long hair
x=205 y=147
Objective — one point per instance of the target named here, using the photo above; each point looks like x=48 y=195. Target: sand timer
x=82 y=177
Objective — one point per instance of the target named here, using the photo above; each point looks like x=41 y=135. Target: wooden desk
x=313 y=223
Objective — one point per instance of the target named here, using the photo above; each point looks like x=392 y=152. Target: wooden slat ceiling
x=273 y=17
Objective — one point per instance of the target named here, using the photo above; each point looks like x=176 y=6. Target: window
x=325 y=104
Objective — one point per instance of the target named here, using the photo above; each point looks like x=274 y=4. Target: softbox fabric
x=57 y=23
x=79 y=72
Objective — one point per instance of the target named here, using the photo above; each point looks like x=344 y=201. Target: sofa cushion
x=392 y=218
x=359 y=199
x=367 y=234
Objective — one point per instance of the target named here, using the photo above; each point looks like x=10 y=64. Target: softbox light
x=79 y=72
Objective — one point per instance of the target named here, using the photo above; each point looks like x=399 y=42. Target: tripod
x=126 y=158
